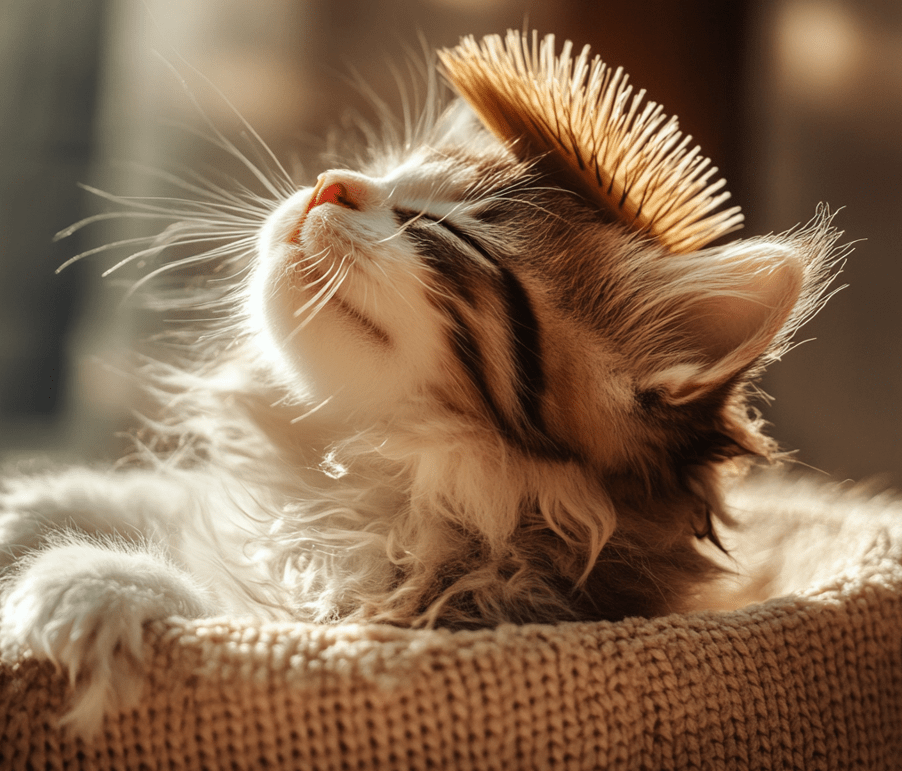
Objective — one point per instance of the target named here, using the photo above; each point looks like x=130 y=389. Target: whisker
x=326 y=294
x=311 y=411
x=160 y=247
x=209 y=189
x=110 y=246
x=152 y=204
x=306 y=265
x=229 y=146
x=525 y=202
x=66 y=232
x=185 y=262
x=309 y=285
x=199 y=211
x=300 y=311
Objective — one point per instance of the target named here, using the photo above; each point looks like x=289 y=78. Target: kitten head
x=503 y=365
x=477 y=276
x=524 y=309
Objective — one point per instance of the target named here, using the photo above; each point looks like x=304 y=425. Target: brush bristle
x=584 y=117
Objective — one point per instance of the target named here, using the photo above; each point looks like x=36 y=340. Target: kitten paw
x=83 y=607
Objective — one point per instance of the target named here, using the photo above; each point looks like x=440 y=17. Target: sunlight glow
x=820 y=49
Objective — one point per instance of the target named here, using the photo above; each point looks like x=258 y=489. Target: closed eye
x=407 y=217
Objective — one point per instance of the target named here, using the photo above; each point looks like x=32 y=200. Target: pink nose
x=332 y=188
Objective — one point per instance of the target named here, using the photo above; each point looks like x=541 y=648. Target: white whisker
x=308 y=264
x=209 y=192
x=131 y=215
x=233 y=249
x=282 y=176
x=114 y=245
x=331 y=289
x=153 y=204
x=311 y=411
x=325 y=288
x=160 y=247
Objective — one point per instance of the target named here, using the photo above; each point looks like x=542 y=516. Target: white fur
x=326 y=453
x=82 y=605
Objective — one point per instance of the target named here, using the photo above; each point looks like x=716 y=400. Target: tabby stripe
x=524 y=328
x=527 y=354
x=457 y=269
x=469 y=354
x=522 y=324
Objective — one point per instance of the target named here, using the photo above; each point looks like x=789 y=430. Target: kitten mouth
x=295 y=237
x=286 y=223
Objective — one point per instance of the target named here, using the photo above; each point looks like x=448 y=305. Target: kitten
x=494 y=374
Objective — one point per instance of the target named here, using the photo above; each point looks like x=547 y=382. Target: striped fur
x=561 y=352
x=440 y=388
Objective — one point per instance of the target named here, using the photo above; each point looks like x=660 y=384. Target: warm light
x=820 y=48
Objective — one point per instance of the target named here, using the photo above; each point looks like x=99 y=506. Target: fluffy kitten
x=492 y=374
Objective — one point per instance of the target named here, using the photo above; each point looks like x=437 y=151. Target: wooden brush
x=582 y=118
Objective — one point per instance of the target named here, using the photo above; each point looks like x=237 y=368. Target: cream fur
x=443 y=390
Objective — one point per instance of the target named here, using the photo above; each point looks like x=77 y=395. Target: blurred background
x=796 y=101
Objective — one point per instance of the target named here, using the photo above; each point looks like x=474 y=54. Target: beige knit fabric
x=812 y=680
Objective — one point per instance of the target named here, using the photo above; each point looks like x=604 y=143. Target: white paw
x=83 y=606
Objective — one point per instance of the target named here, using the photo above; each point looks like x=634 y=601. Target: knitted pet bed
x=811 y=679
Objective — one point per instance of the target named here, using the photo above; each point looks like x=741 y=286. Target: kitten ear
x=739 y=306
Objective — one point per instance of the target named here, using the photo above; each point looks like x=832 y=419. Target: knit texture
x=809 y=680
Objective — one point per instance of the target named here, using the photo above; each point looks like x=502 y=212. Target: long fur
x=440 y=389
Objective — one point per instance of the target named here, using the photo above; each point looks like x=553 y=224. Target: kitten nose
x=338 y=189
